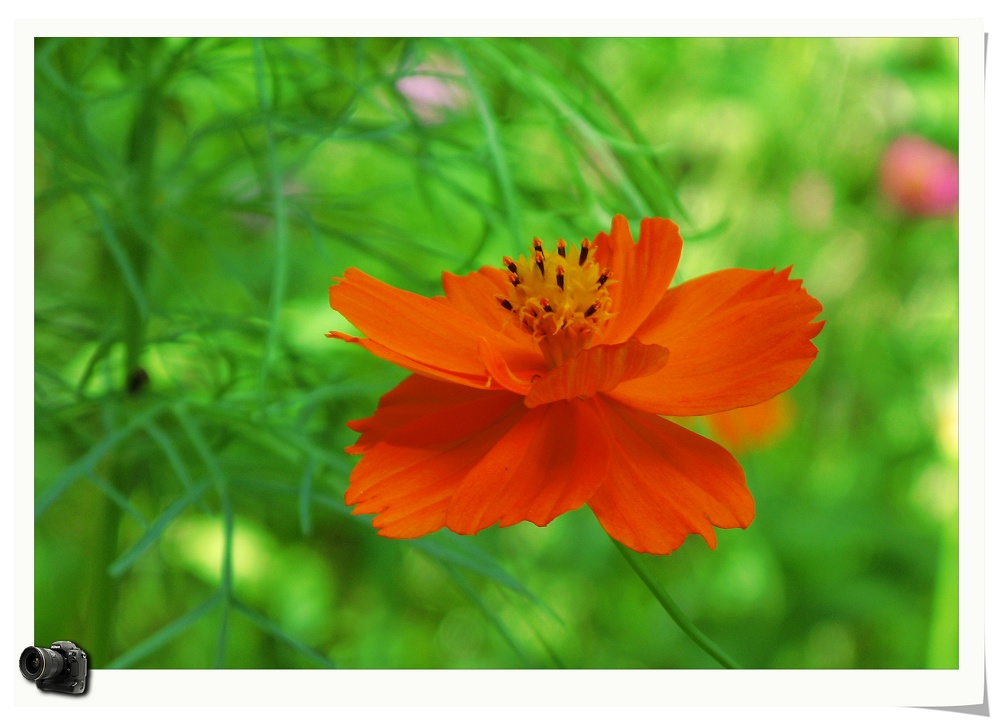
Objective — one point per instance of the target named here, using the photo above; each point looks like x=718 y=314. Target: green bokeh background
x=196 y=196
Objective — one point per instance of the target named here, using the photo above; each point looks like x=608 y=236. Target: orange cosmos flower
x=538 y=388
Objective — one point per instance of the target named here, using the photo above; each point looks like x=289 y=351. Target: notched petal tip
x=418 y=446
x=620 y=228
x=667 y=483
x=643 y=270
x=659 y=231
x=737 y=337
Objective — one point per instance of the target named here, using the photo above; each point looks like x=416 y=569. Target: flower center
x=560 y=297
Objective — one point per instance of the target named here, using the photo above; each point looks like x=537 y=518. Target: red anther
x=540 y=261
x=584 y=250
x=593 y=308
x=561 y=248
x=560 y=277
x=509 y=264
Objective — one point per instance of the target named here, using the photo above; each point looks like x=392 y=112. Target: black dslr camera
x=61 y=668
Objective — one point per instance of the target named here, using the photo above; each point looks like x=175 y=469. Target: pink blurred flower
x=434 y=89
x=920 y=177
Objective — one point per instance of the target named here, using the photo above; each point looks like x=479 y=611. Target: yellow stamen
x=561 y=305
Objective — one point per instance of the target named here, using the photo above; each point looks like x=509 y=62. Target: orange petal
x=667 y=482
x=415 y=397
x=640 y=273
x=416 y=366
x=551 y=462
x=615 y=250
x=423 y=439
x=595 y=370
x=430 y=336
x=736 y=338
x=500 y=372
x=475 y=295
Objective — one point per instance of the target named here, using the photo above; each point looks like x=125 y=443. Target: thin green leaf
x=496 y=151
x=473 y=596
x=549 y=649
x=472 y=559
x=275 y=631
x=155 y=531
x=597 y=145
x=650 y=177
x=280 y=269
x=285 y=442
x=670 y=607
x=194 y=433
x=86 y=463
x=152 y=644
x=225 y=583
x=121 y=257
x=170 y=451
x=100 y=352
x=115 y=495
x=335 y=461
x=305 y=496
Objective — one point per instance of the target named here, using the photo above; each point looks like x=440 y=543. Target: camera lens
x=41 y=663
x=32 y=662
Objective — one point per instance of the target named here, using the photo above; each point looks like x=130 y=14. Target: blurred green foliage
x=194 y=199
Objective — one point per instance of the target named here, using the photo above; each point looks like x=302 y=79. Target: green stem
x=139 y=219
x=494 y=145
x=277 y=192
x=942 y=647
x=138 y=202
x=190 y=426
x=670 y=606
x=226 y=584
x=103 y=595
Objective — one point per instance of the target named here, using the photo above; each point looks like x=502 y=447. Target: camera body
x=59 y=668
